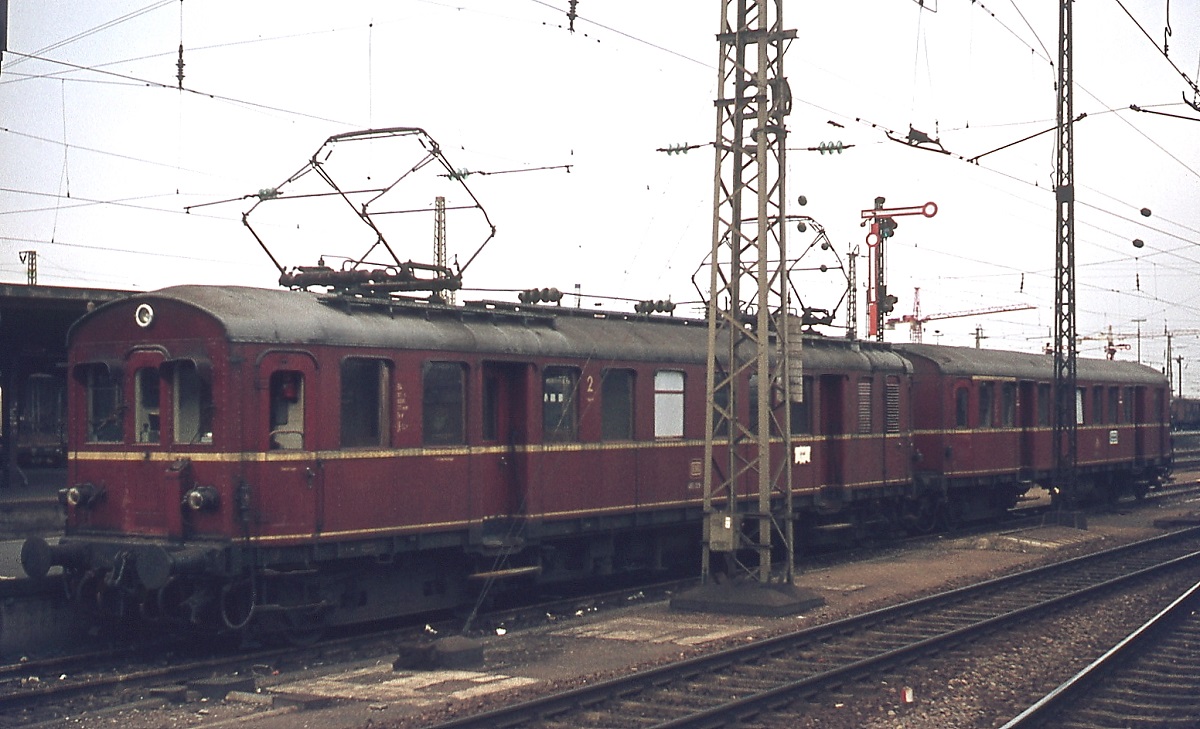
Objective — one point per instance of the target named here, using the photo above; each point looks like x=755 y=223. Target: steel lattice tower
x=1065 y=421
x=748 y=385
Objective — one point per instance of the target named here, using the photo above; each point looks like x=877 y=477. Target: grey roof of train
x=278 y=316
x=1023 y=365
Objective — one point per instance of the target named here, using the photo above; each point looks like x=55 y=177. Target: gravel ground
x=981 y=685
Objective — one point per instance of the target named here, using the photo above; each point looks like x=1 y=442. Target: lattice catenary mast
x=748 y=318
x=1065 y=424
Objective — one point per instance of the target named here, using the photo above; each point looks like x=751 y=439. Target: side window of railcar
x=616 y=405
x=287 y=410
x=1008 y=404
x=1114 y=405
x=668 y=404
x=801 y=412
x=987 y=398
x=1079 y=406
x=1043 y=403
x=193 y=404
x=962 y=407
x=1128 y=404
x=365 y=387
x=146 y=413
x=864 y=405
x=560 y=417
x=892 y=423
x=443 y=403
x=105 y=421
x=1097 y=405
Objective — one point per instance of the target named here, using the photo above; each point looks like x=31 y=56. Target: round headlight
x=144 y=315
x=202 y=498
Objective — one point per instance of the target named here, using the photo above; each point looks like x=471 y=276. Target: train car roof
x=966 y=361
x=280 y=316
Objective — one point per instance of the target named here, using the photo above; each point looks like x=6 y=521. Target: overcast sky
x=102 y=153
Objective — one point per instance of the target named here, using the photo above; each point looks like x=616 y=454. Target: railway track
x=738 y=684
x=49 y=690
x=1149 y=679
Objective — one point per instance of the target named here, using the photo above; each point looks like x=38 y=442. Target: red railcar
x=984 y=424
x=280 y=457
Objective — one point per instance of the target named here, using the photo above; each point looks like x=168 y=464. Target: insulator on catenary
x=649 y=307
x=540 y=296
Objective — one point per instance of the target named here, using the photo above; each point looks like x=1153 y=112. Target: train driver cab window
x=560 y=417
x=442 y=404
x=365 y=384
x=105 y=410
x=193 y=406
x=668 y=404
x=962 y=407
x=146 y=414
x=287 y=410
x=616 y=405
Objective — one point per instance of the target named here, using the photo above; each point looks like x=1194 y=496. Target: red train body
x=297 y=459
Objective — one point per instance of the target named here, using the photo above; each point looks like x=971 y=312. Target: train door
x=502 y=495
x=292 y=478
x=1027 y=409
x=832 y=406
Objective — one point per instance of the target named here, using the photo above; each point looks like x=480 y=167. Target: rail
x=1068 y=704
x=725 y=688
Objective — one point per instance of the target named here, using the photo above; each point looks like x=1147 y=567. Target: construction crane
x=917 y=321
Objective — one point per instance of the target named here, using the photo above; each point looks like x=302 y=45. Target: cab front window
x=193 y=404
x=105 y=412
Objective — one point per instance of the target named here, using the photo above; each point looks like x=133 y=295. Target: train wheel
x=292 y=628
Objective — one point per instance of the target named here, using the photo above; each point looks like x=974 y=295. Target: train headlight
x=144 y=315
x=202 y=498
x=83 y=494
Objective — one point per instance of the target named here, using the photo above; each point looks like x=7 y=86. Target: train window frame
x=191 y=403
x=560 y=413
x=1114 y=405
x=799 y=412
x=1045 y=397
x=962 y=407
x=1128 y=405
x=1008 y=404
x=866 y=390
x=147 y=405
x=444 y=403
x=104 y=400
x=669 y=405
x=286 y=407
x=987 y=404
x=1097 y=405
x=365 y=384
x=617 y=404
